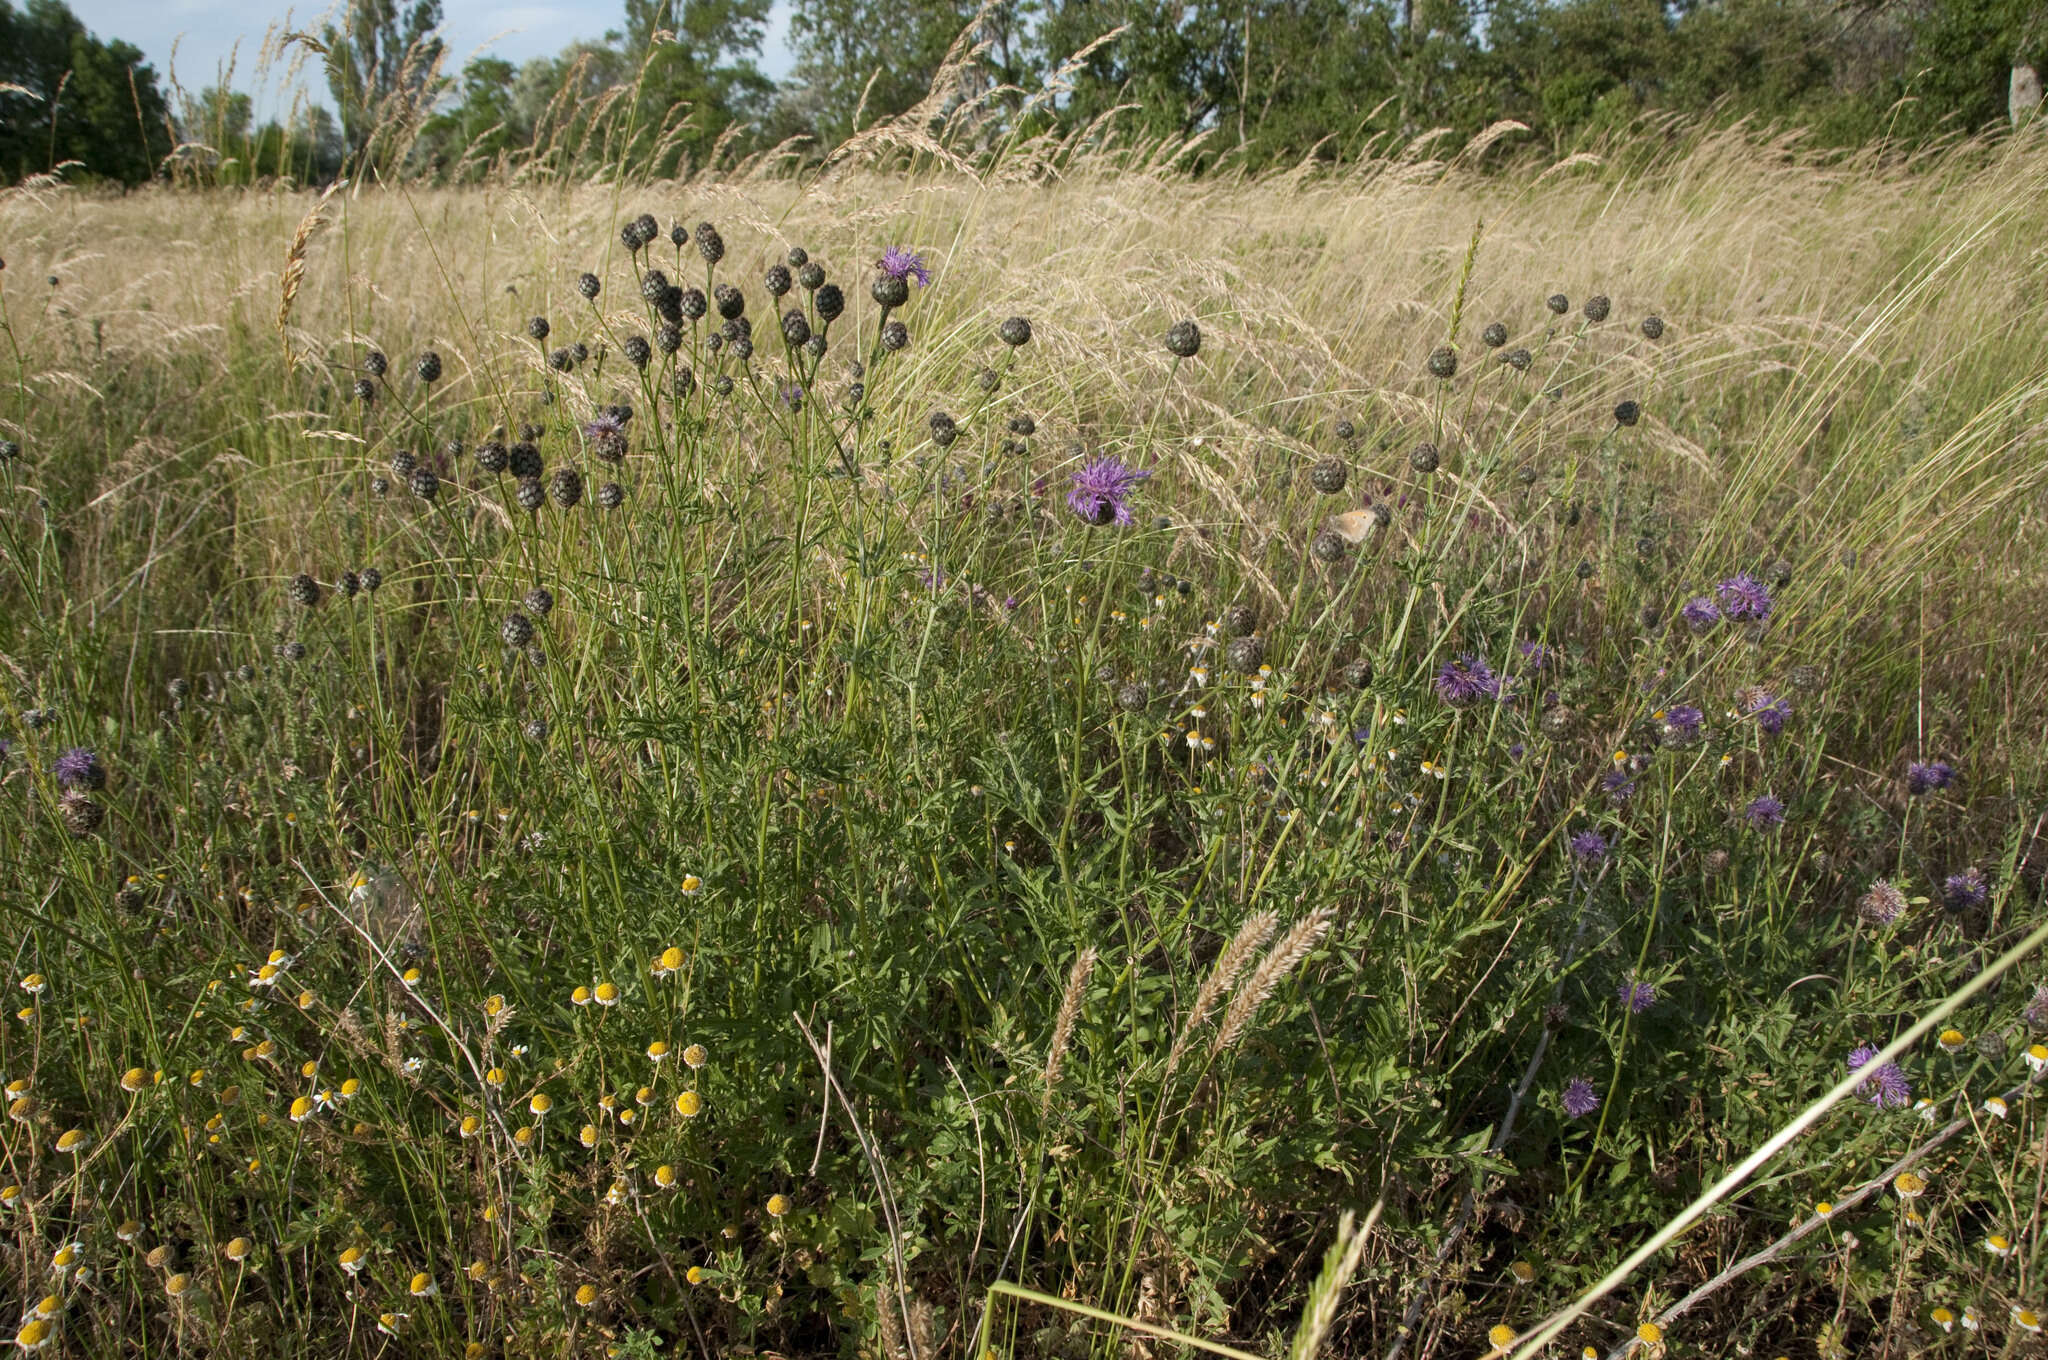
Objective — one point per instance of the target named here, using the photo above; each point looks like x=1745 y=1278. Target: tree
x=382 y=69
x=88 y=101
x=873 y=59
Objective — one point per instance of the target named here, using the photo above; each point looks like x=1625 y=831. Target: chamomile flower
x=1943 y=1318
x=606 y=994
x=66 y=1256
x=696 y=1275
x=692 y=885
x=689 y=1104
x=665 y=1177
x=1999 y=1245
x=669 y=964
x=586 y=1296
x=695 y=1056
x=2037 y=1058
x=1926 y=1109
x=1970 y=1319
x=302 y=1109
x=1909 y=1186
x=1952 y=1041
x=72 y=1140
x=2025 y=1318
x=778 y=1205
x=470 y=1126
x=523 y=1135
x=128 y=1230
x=35 y=984
x=657 y=1052
x=1650 y=1334
x=133 y=1080
x=353 y=1259
x=35 y=1334
x=1500 y=1336
x=587 y=1135
x=423 y=1286
x=495 y=1078
x=391 y=1323
x=541 y=1103
x=175 y=1285
x=238 y=1249
x=580 y=997
x=494 y=1004
x=1995 y=1107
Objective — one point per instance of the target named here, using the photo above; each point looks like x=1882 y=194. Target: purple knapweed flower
x=1618 y=785
x=1100 y=486
x=1683 y=721
x=1466 y=680
x=1539 y=656
x=1764 y=813
x=1769 y=710
x=1924 y=777
x=1886 y=1085
x=1590 y=846
x=1517 y=751
x=1580 y=1099
x=1700 y=613
x=1966 y=891
x=1744 y=597
x=78 y=768
x=792 y=395
x=1637 y=996
x=899 y=263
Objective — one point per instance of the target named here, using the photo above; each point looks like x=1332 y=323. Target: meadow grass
x=862 y=879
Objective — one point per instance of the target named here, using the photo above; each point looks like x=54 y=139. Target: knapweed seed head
x=1882 y=903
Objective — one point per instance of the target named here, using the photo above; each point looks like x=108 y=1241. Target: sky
x=205 y=33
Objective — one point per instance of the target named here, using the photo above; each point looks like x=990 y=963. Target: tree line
x=1258 y=82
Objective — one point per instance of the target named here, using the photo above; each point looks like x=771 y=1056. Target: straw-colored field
x=863 y=878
